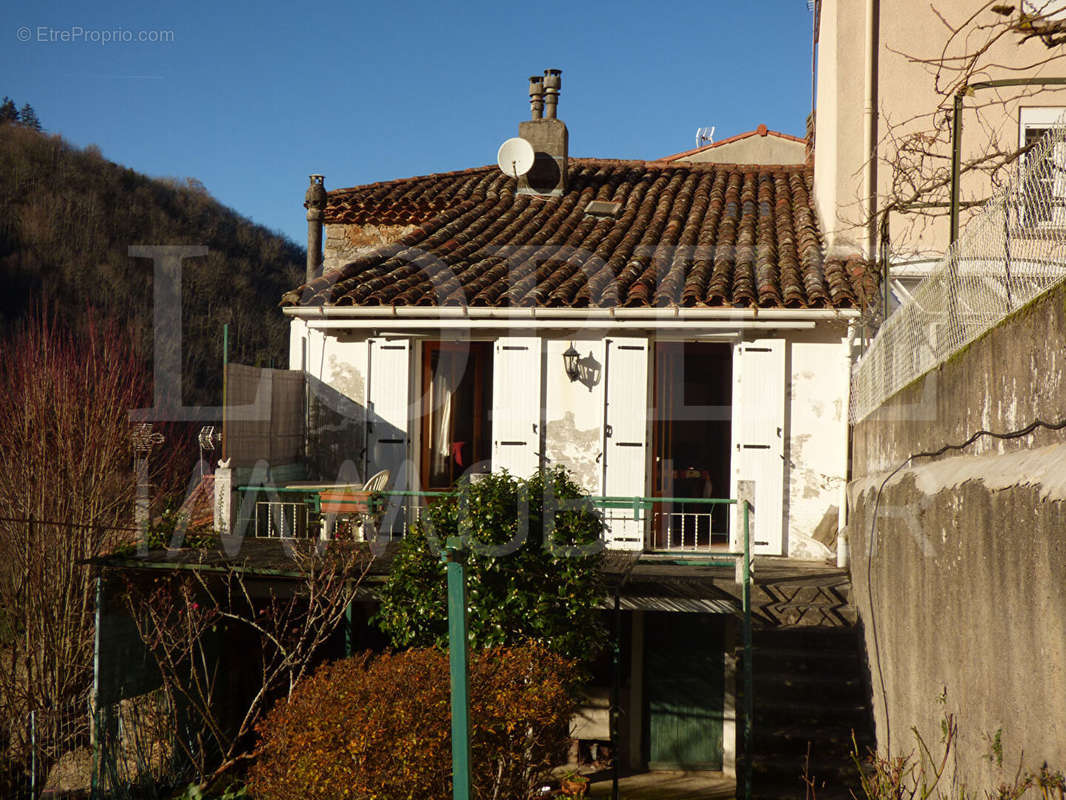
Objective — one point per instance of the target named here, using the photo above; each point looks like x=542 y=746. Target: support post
x=225 y=384
x=616 y=691
x=457 y=658
x=95 y=782
x=749 y=700
x=956 y=150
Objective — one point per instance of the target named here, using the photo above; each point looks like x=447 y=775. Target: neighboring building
x=871 y=78
x=760 y=146
x=956 y=505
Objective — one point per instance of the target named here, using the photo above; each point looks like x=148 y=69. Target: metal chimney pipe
x=315 y=203
x=536 y=96
x=552 y=83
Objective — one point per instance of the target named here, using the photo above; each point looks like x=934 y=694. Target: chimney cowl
x=552 y=84
x=536 y=96
x=315 y=198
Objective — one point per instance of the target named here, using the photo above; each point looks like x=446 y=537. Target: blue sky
x=250 y=98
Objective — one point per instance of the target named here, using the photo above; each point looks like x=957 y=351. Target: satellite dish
x=515 y=157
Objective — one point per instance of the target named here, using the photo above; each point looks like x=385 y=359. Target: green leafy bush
x=533 y=555
x=380 y=727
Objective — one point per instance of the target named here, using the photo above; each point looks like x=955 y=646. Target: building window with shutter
x=456 y=398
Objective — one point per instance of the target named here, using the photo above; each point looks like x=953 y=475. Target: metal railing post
x=33 y=755
x=457 y=659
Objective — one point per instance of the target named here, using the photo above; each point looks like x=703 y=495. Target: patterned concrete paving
x=666 y=786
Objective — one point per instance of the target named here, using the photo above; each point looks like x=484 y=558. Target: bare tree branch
x=178 y=615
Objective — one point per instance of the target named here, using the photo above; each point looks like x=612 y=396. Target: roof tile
x=683 y=235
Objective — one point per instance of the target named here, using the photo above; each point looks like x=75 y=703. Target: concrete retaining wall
x=961 y=578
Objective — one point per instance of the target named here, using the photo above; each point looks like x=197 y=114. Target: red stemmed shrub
x=379 y=727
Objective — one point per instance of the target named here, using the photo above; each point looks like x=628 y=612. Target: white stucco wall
x=573 y=417
x=817 y=442
x=339 y=361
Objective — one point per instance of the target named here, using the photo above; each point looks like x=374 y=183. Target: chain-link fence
x=1010 y=252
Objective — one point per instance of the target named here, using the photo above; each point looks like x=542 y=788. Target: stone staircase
x=811 y=689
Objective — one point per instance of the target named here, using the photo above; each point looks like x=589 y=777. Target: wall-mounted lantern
x=570 y=359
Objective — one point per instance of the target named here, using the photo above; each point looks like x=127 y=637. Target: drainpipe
x=842 y=508
x=869 y=131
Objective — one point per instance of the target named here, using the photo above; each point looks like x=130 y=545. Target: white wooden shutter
x=516 y=405
x=758 y=439
x=625 y=437
x=387 y=416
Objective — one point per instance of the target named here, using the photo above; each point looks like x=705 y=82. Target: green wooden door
x=684 y=681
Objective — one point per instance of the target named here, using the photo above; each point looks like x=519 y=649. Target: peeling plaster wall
x=816 y=454
x=959 y=576
x=573 y=415
x=336 y=367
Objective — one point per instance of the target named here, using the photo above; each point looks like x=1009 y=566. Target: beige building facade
x=887 y=74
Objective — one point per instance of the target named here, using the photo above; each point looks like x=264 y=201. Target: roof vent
x=604 y=208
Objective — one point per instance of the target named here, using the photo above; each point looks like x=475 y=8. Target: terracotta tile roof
x=199 y=506
x=685 y=235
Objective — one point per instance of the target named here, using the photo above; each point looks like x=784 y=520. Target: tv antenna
x=515 y=157
x=704 y=136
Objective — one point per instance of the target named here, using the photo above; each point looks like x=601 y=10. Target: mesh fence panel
x=46 y=752
x=1013 y=250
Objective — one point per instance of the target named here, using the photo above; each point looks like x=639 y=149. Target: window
x=1042 y=186
x=457 y=398
x=693 y=423
x=1051 y=10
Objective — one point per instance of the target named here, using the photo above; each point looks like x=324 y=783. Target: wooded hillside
x=67 y=219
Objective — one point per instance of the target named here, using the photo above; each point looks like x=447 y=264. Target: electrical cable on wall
x=1015 y=434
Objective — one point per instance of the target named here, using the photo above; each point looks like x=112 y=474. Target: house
x=458 y=314
x=662 y=329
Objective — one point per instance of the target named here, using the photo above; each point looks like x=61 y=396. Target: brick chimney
x=548 y=135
